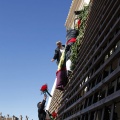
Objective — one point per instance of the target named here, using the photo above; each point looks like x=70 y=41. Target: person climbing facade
x=58 y=52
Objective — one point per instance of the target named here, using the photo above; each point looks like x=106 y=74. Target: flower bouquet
x=44 y=90
x=54 y=115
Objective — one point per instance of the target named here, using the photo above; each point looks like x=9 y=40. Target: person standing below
x=58 y=52
x=41 y=110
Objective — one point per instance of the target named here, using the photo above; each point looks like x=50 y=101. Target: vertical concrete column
x=20 y=117
x=13 y=117
x=26 y=118
x=7 y=116
x=112 y=112
x=103 y=113
x=95 y=115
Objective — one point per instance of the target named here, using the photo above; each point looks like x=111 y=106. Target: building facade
x=93 y=92
x=55 y=102
x=12 y=117
x=8 y=118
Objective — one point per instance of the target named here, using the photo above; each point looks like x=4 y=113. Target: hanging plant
x=75 y=48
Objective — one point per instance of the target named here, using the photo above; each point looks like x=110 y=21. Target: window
x=107 y=113
x=116 y=113
x=102 y=94
x=93 y=84
x=86 y=116
x=99 y=115
x=99 y=78
x=78 y=118
x=90 y=100
x=114 y=65
x=106 y=72
x=92 y=115
x=118 y=84
x=111 y=88
x=96 y=95
x=86 y=101
x=81 y=107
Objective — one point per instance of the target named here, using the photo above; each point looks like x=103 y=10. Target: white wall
x=52 y=92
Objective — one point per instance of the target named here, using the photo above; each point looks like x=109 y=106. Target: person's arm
x=43 y=103
x=55 y=55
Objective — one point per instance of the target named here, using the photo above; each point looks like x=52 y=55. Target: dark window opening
x=81 y=107
x=107 y=113
x=86 y=117
x=116 y=112
x=110 y=90
x=99 y=115
x=111 y=87
x=97 y=67
x=92 y=71
x=86 y=101
x=117 y=30
x=96 y=95
x=99 y=79
x=88 y=87
x=95 y=58
x=77 y=109
x=83 y=116
x=93 y=84
x=102 y=95
x=114 y=65
x=90 y=101
x=105 y=74
x=118 y=84
x=78 y=118
x=111 y=38
x=104 y=47
x=92 y=115
x=102 y=62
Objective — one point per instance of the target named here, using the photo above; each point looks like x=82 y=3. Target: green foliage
x=83 y=17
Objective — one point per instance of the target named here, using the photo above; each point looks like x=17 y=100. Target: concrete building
x=76 y=5
x=54 y=102
x=8 y=117
x=12 y=117
x=93 y=92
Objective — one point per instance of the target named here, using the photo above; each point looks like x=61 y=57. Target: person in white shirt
x=58 y=52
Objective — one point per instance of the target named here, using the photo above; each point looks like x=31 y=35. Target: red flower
x=79 y=22
x=54 y=114
x=44 y=88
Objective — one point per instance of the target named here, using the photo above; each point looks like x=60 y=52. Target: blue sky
x=28 y=32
